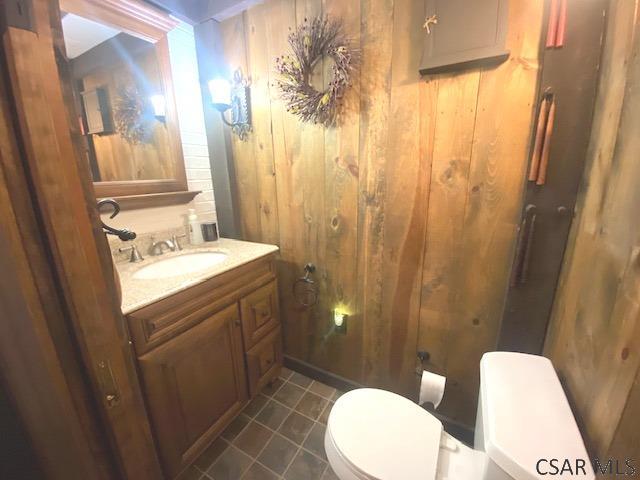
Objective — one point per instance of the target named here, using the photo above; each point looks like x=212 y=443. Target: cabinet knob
x=236 y=322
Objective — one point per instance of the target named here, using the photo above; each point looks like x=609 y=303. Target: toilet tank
x=524 y=421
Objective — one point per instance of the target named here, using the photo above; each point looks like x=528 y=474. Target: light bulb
x=159 y=104
x=220 y=90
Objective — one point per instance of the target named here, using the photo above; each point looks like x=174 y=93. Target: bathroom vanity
x=206 y=341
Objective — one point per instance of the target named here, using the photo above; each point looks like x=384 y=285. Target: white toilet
x=523 y=421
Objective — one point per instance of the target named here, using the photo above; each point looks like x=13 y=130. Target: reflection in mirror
x=120 y=94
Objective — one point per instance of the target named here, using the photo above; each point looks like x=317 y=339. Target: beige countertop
x=137 y=293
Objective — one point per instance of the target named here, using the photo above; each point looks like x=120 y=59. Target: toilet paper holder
x=424 y=356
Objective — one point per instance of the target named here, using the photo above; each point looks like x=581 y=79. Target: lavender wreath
x=310 y=43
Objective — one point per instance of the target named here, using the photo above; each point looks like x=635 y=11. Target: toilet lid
x=385 y=436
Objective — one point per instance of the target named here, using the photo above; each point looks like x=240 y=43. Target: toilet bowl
x=377 y=435
x=523 y=416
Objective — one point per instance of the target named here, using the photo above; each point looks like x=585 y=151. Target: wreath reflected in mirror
x=129 y=114
x=310 y=43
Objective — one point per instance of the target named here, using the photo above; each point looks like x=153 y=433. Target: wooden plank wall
x=408 y=208
x=594 y=336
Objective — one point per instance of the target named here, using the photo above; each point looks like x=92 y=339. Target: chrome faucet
x=156 y=247
x=135 y=254
x=176 y=243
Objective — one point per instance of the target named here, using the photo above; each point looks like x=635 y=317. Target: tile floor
x=279 y=435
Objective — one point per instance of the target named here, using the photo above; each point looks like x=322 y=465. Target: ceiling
x=81 y=34
x=198 y=11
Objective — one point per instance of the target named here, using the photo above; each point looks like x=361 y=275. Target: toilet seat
x=378 y=435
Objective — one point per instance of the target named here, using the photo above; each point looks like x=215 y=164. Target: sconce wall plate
x=233 y=97
x=240 y=107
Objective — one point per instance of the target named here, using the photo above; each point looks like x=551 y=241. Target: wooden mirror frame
x=147 y=23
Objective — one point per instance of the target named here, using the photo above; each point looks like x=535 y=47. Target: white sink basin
x=180 y=265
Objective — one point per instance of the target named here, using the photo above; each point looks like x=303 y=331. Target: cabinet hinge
x=108 y=386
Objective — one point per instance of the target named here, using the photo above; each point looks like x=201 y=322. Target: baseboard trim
x=458 y=430
x=311 y=371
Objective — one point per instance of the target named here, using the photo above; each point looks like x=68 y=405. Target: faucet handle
x=135 y=254
x=174 y=240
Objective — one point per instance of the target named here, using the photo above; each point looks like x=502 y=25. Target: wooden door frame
x=56 y=247
x=51 y=402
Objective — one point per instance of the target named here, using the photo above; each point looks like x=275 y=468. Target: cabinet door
x=259 y=313
x=195 y=384
x=264 y=361
x=467 y=33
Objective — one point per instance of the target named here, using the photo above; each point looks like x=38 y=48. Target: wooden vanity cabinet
x=195 y=384
x=202 y=353
x=264 y=361
x=260 y=314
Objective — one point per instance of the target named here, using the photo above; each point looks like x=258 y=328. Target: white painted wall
x=186 y=84
x=184 y=69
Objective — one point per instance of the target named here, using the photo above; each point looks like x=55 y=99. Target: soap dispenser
x=195 y=232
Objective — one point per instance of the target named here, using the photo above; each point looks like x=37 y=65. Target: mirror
x=119 y=83
x=123 y=93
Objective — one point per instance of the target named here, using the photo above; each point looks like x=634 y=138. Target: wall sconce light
x=159 y=104
x=233 y=96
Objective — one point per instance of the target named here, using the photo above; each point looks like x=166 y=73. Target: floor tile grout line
x=202 y=474
x=293 y=409
x=293 y=459
x=297 y=403
x=308 y=388
x=292 y=441
x=223 y=452
x=300 y=448
x=314 y=421
x=320 y=395
x=295 y=443
x=267 y=468
x=331 y=401
x=255 y=460
x=254 y=418
x=305 y=437
x=314 y=454
x=275 y=431
x=230 y=444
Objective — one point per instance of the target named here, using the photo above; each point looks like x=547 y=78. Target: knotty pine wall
x=408 y=209
x=594 y=335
